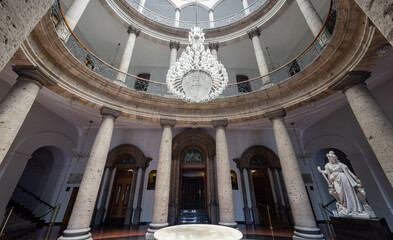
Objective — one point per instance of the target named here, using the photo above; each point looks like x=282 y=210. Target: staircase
x=192 y=216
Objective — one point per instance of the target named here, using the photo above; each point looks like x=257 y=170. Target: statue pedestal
x=355 y=228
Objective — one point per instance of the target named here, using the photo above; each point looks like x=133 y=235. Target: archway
x=192 y=179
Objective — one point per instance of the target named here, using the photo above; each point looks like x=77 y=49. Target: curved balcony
x=158 y=86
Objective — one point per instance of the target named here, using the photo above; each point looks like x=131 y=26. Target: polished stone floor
x=138 y=233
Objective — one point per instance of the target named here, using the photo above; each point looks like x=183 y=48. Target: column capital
x=106 y=111
x=134 y=30
x=253 y=32
x=174 y=44
x=33 y=73
x=278 y=113
x=220 y=123
x=167 y=122
x=350 y=79
x=214 y=45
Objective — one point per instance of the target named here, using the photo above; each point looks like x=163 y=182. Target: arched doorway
x=267 y=191
x=192 y=174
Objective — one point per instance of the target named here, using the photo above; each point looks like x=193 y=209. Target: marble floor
x=138 y=233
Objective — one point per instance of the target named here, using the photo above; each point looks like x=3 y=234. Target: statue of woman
x=346 y=188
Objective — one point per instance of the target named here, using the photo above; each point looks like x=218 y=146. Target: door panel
x=121 y=196
x=193 y=196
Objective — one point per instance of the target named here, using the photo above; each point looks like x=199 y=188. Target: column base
x=302 y=233
x=232 y=225
x=153 y=227
x=76 y=234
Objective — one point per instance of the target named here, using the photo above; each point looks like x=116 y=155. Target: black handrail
x=35 y=196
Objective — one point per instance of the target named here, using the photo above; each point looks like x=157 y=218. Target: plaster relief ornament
x=346 y=188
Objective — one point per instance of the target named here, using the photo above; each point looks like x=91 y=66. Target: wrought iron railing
x=158 y=87
x=203 y=24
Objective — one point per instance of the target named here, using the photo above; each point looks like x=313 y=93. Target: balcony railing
x=158 y=87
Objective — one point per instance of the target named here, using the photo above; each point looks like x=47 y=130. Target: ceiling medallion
x=197 y=76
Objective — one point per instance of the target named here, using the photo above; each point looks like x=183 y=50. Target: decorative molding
x=123 y=150
x=266 y=153
x=167 y=122
x=28 y=72
x=254 y=32
x=174 y=44
x=134 y=30
x=350 y=78
x=220 y=123
x=106 y=111
x=278 y=113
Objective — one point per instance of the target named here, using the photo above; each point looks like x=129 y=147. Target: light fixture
x=197 y=76
x=80 y=153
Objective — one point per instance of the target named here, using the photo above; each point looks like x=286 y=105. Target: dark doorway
x=193 y=193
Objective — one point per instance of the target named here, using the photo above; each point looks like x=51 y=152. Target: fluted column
x=79 y=224
x=72 y=16
x=261 y=60
x=313 y=20
x=225 y=195
x=211 y=18
x=305 y=225
x=214 y=49
x=381 y=14
x=141 y=5
x=17 y=103
x=245 y=6
x=138 y=209
x=375 y=124
x=133 y=33
x=177 y=17
x=130 y=209
x=161 y=195
x=254 y=209
x=17 y=19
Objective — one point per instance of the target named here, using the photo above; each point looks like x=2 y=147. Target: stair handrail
x=35 y=196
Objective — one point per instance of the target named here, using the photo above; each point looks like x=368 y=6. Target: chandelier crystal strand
x=197 y=76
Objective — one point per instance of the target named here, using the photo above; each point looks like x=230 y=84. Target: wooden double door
x=121 y=194
x=193 y=193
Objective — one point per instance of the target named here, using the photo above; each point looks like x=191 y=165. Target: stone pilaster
x=17 y=103
x=381 y=14
x=305 y=225
x=246 y=209
x=133 y=33
x=375 y=124
x=214 y=49
x=17 y=19
x=213 y=186
x=130 y=209
x=254 y=209
x=261 y=60
x=225 y=195
x=79 y=225
x=138 y=209
x=100 y=210
x=161 y=195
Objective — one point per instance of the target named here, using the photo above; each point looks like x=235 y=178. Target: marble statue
x=346 y=188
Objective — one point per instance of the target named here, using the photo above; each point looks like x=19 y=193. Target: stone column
x=161 y=195
x=313 y=20
x=130 y=209
x=261 y=61
x=79 y=225
x=225 y=195
x=17 y=103
x=133 y=33
x=177 y=17
x=101 y=196
x=17 y=19
x=254 y=209
x=138 y=209
x=381 y=14
x=245 y=6
x=211 y=18
x=141 y=6
x=246 y=209
x=174 y=47
x=214 y=49
x=305 y=225
x=375 y=124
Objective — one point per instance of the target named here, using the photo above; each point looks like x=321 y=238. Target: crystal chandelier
x=197 y=76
